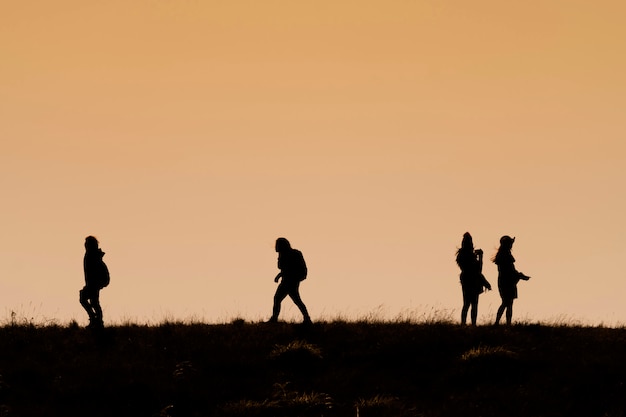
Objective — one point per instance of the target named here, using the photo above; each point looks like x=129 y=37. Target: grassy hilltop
x=328 y=369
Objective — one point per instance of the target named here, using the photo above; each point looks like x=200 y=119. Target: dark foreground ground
x=328 y=369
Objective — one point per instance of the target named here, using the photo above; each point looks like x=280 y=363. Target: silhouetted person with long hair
x=96 y=278
x=508 y=277
x=473 y=281
x=293 y=270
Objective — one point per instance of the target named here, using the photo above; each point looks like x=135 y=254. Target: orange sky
x=188 y=135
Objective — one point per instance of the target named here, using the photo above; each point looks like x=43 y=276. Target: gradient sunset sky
x=188 y=135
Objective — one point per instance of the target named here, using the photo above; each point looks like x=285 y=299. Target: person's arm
x=280 y=274
x=89 y=267
x=486 y=283
x=85 y=270
x=518 y=274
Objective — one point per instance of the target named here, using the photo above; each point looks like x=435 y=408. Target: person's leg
x=509 y=312
x=84 y=301
x=500 y=311
x=97 y=309
x=474 y=311
x=295 y=296
x=466 y=305
x=279 y=296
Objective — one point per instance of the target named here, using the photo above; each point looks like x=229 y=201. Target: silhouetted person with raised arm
x=508 y=277
x=292 y=270
x=473 y=281
x=96 y=278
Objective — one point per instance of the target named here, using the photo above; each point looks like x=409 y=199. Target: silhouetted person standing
x=472 y=279
x=508 y=277
x=292 y=270
x=96 y=278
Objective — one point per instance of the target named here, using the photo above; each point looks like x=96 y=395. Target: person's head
x=91 y=243
x=506 y=242
x=467 y=243
x=282 y=244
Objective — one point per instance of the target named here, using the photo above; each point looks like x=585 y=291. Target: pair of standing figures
x=291 y=263
x=473 y=281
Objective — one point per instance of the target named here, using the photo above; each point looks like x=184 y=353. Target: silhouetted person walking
x=96 y=278
x=473 y=281
x=292 y=270
x=508 y=277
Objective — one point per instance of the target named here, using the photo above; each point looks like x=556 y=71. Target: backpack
x=104 y=275
x=292 y=265
x=301 y=266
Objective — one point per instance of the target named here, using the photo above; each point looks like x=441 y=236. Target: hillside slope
x=328 y=369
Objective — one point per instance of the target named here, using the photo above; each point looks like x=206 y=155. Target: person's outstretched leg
x=500 y=312
x=279 y=296
x=295 y=296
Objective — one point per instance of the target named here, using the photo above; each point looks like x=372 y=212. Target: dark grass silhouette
x=327 y=369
